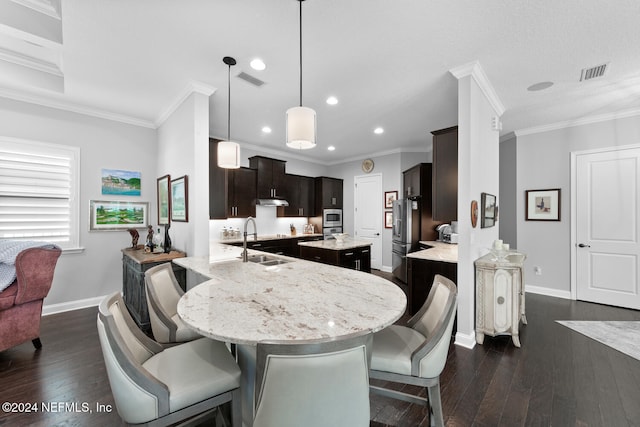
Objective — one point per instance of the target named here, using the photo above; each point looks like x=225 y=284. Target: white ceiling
x=386 y=61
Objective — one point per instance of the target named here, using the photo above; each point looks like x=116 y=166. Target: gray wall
x=508 y=225
x=544 y=162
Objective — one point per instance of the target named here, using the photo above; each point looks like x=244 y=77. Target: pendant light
x=229 y=151
x=301 y=121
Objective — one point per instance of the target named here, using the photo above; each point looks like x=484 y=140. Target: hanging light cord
x=229 y=104
x=301 y=51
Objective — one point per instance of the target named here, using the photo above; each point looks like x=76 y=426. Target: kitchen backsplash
x=266 y=219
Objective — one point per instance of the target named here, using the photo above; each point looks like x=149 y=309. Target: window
x=39 y=185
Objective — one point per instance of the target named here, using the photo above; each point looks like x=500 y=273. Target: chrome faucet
x=245 y=257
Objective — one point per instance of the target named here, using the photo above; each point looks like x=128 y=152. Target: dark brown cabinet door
x=328 y=194
x=411 y=182
x=300 y=195
x=445 y=174
x=217 y=184
x=241 y=192
x=271 y=177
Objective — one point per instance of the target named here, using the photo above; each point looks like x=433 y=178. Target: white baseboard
x=547 y=291
x=386 y=269
x=467 y=341
x=71 y=305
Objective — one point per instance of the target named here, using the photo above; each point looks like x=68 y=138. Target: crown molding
x=383 y=153
x=507 y=136
x=192 y=87
x=474 y=69
x=578 y=122
x=45 y=101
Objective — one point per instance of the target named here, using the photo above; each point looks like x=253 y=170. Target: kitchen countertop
x=334 y=245
x=439 y=251
x=266 y=237
x=297 y=300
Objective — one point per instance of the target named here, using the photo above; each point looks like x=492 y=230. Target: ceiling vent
x=593 y=72
x=250 y=79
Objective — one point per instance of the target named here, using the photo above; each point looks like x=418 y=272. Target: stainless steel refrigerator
x=406 y=234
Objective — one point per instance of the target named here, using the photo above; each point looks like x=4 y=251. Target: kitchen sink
x=266 y=260
x=274 y=262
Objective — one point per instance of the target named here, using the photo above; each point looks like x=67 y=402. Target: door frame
x=574 y=203
x=355 y=215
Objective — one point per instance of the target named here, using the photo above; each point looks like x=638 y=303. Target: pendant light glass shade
x=301 y=128
x=228 y=155
x=301 y=121
x=229 y=151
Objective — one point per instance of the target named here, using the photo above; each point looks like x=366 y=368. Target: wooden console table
x=135 y=262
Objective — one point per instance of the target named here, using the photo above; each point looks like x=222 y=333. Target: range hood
x=271 y=202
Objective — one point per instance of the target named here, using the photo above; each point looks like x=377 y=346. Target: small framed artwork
x=115 y=215
x=389 y=197
x=164 y=199
x=542 y=205
x=117 y=182
x=388 y=219
x=488 y=210
x=180 y=199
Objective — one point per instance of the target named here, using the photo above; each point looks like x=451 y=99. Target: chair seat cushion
x=8 y=296
x=194 y=371
x=183 y=332
x=392 y=349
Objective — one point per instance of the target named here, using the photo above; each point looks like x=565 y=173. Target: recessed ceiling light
x=266 y=129
x=539 y=86
x=258 y=64
x=331 y=148
x=332 y=100
x=378 y=131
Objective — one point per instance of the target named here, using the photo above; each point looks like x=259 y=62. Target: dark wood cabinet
x=354 y=258
x=241 y=192
x=300 y=191
x=271 y=181
x=420 y=276
x=445 y=174
x=416 y=183
x=287 y=246
x=329 y=193
x=135 y=262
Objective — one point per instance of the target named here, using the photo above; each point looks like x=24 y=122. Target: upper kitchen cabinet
x=414 y=181
x=416 y=184
x=300 y=192
x=328 y=193
x=232 y=192
x=445 y=174
x=271 y=177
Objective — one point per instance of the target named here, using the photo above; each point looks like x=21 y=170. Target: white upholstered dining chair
x=163 y=293
x=313 y=384
x=416 y=354
x=157 y=386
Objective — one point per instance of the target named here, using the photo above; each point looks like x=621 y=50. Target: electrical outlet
x=537 y=270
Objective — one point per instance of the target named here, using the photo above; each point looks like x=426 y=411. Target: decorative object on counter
x=543 y=205
x=134 y=237
x=340 y=237
x=180 y=199
x=164 y=199
x=500 y=250
x=301 y=121
x=308 y=229
x=167 y=239
x=120 y=183
x=229 y=151
x=474 y=213
x=389 y=197
x=488 y=209
x=149 y=245
x=293 y=229
x=157 y=242
x=115 y=215
x=367 y=166
x=388 y=219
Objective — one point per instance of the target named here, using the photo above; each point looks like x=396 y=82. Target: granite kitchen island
x=351 y=253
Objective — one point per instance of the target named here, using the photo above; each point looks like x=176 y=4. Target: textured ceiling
x=386 y=61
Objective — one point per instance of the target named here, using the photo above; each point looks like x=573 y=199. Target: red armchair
x=21 y=302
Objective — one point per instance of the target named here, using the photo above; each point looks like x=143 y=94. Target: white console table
x=500 y=296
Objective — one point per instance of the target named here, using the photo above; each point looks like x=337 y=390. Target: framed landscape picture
x=542 y=205
x=117 y=182
x=388 y=219
x=164 y=199
x=117 y=215
x=180 y=199
x=488 y=210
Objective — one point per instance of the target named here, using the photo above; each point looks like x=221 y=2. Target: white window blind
x=39 y=192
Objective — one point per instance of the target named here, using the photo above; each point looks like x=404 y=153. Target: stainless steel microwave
x=331 y=218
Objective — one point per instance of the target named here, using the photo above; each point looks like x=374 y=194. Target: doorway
x=606 y=236
x=368 y=214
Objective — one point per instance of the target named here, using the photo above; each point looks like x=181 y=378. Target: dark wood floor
x=557 y=378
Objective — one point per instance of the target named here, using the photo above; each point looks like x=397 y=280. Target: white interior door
x=607 y=251
x=368 y=214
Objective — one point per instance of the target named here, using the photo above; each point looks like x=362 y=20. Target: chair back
x=34 y=272
x=435 y=321
x=139 y=397
x=313 y=383
x=163 y=287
